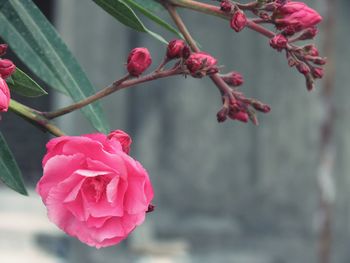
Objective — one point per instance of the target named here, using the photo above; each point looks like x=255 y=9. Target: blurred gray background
x=228 y=192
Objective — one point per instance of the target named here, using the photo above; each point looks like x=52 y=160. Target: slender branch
x=215 y=11
x=34 y=117
x=115 y=86
x=218 y=81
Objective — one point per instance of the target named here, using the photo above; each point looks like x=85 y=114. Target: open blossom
x=92 y=189
x=200 y=64
x=139 y=60
x=4 y=95
x=296 y=15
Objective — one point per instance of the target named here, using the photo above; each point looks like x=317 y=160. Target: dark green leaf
x=151 y=5
x=39 y=46
x=9 y=171
x=125 y=15
x=22 y=84
x=142 y=8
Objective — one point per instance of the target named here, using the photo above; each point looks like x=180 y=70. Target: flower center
x=94 y=188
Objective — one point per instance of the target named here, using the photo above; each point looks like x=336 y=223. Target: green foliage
x=35 y=41
x=9 y=171
x=125 y=15
x=22 y=84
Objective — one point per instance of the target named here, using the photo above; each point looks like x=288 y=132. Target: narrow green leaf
x=22 y=84
x=152 y=16
x=9 y=171
x=38 y=45
x=125 y=15
x=151 y=5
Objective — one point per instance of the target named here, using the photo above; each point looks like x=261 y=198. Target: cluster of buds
x=6 y=69
x=235 y=105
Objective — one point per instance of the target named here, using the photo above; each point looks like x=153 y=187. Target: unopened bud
x=238 y=21
x=3 y=49
x=123 y=138
x=176 y=49
x=317 y=73
x=200 y=64
x=278 y=42
x=261 y=106
x=240 y=116
x=226 y=6
x=233 y=78
x=6 y=68
x=309 y=33
x=222 y=114
x=320 y=61
x=139 y=60
x=311 y=50
x=303 y=68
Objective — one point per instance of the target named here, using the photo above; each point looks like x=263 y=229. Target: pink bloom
x=123 y=138
x=238 y=21
x=278 y=42
x=139 y=60
x=93 y=190
x=233 y=78
x=4 y=95
x=200 y=64
x=6 y=68
x=177 y=48
x=297 y=15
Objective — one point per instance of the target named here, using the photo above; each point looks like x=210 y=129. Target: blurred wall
x=231 y=185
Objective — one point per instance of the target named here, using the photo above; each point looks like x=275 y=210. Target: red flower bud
x=4 y=95
x=200 y=64
x=139 y=60
x=177 y=48
x=240 y=116
x=261 y=106
x=278 y=42
x=317 y=73
x=311 y=50
x=222 y=114
x=3 y=49
x=297 y=15
x=226 y=6
x=309 y=33
x=303 y=68
x=233 y=79
x=238 y=21
x=6 y=68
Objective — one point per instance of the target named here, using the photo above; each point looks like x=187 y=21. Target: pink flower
x=177 y=48
x=200 y=64
x=123 y=138
x=93 y=190
x=278 y=42
x=296 y=15
x=238 y=21
x=6 y=68
x=139 y=60
x=4 y=95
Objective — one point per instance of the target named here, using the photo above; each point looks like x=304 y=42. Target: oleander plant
x=92 y=188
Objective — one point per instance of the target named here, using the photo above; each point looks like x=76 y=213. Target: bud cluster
x=6 y=69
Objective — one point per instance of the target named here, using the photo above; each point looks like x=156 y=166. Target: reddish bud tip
x=261 y=107
x=311 y=50
x=6 y=68
x=3 y=49
x=222 y=114
x=123 y=138
x=233 y=79
x=278 y=42
x=238 y=21
x=303 y=68
x=317 y=73
x=200 y=64
x=150 y=208
x=226 y=6
x=177 y=48
x=240 y=116
x=139 y=60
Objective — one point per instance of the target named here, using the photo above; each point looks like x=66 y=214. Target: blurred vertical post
x=327 y=152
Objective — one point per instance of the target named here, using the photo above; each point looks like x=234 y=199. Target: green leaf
x=22 y=84
x=38 y=45
x=125 y=15
x=151 y=5
x=9 y=171
x=144 y=10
